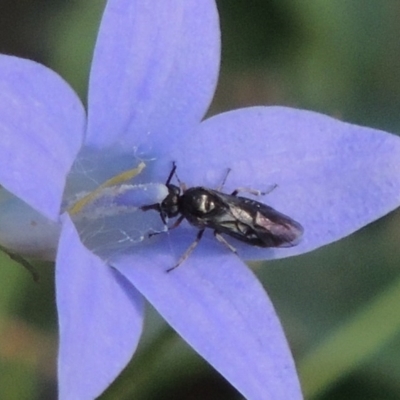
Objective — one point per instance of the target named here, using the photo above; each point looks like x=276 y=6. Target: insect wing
x=262 y=225
x=278 y=228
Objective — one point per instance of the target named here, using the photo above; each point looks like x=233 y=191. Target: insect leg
x=175 y=225
x=189 y=250
x=222 y=240
x=155 y=207
x=253 y=191
x=220 y=187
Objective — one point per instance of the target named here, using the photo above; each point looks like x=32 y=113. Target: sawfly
x=244 y=219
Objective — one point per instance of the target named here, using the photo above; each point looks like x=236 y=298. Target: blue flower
x=153 y=76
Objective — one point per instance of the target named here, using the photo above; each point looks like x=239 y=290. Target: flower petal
x=154 y=70
x=42 y=126
x=332 y=177
x=217 y=305
x=100 y=317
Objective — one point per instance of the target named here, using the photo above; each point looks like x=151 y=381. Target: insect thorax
x=199 y=202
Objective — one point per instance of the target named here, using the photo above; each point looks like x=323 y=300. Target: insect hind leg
x=222 y=240
x=220 y=187
x=254 y=192
x=244 y=189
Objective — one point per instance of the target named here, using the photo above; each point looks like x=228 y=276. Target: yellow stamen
x=115 y=180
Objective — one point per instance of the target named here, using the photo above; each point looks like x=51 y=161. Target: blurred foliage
x=338 y=304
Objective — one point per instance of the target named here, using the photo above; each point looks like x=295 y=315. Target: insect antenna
x=173 y=172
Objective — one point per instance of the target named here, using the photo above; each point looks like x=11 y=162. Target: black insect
x=242 y=218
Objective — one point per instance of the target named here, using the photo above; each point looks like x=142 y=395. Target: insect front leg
x=189 y=250
x=156 y=207
x=173 y=226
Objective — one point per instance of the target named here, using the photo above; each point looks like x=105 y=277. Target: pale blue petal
x=42 y=124
x=218 y=306
x=154 y=71
x=100 y=318
x=332 y=177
